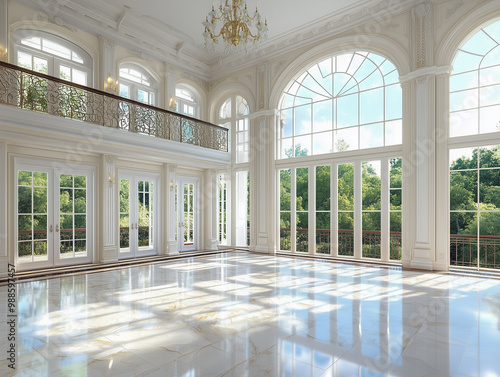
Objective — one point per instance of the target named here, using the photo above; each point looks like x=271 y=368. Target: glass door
x=137 y=216
x=187 y=213
x=54 y=217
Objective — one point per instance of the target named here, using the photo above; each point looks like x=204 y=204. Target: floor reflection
x=240 y=314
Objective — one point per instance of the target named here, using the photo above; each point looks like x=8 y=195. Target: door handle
x=136 y=227
x=181 y=224
x=51 y=229
x=57 y=228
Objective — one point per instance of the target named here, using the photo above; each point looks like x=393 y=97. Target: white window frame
x=134 y=86
x=54 y=62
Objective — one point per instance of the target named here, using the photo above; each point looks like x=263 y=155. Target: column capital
x=426 y=72
x=263 y=113
x=107 y=42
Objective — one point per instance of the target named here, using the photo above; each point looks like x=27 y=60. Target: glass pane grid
x=358 y=112
x=32 y=216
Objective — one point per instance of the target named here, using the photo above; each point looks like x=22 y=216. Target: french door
x=54 y=216
x=138 y=215
x=187 y=213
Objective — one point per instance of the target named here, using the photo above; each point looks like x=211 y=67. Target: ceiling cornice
x=328 y=26
x=141 y=33
x=129 y=31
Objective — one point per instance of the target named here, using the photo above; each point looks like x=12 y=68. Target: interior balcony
x=117 y=122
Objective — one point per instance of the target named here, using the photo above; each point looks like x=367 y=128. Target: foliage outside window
x=475 y=207
x=52 y=55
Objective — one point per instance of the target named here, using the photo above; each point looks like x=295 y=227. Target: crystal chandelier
x=236 y=29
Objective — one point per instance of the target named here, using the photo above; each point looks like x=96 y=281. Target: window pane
x=302 y=232
x=371 y=185
x=463 y=190
x=303 y=120
x=285 y=190
x=24 y=60
x=372 y=106
x=371 y=234
x=489 y=239
x=395 y=236
x=285 y=231
x=346 y=233
x=323 y=232
x=346 y=187
x=347 y=111
x=371 y=136
x=323 y=188
x=463 y=239
x=302 y=189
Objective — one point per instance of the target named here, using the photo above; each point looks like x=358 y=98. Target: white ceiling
x=186 y=16
x=171 y=31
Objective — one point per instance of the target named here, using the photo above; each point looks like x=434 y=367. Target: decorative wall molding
x=107 y=42
x=422 y=32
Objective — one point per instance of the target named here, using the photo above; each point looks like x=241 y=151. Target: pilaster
x=210 y=209
x=107 y=61
x=169 y=85
x=263 y=181
x=4 y=258
x=170 y=246
x=110 y=244
x=4 y=29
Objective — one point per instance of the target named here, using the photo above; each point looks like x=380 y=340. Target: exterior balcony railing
x=371 y=241
x=39 y=92
x=464 y=251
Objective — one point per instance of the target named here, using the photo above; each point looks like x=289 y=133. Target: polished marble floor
x=241 y=314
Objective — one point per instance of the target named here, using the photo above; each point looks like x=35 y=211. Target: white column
x=4 y=257
x=107 y=63
x=109 y=185
x=442 y=171
x=210 y=209
x=263 y=181
x=170 y=220
x=4 y=27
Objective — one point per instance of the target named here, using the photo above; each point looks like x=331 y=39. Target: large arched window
x=137 y=84
x=345 y=102
x=233 y=114
x=341 y=204
x=475 y=159
x=47 y=53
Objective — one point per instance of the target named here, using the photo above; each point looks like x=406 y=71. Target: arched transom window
x=475 y=85
x=187 y=101
x=47 y=53
x=137 y=84
x=345 y=102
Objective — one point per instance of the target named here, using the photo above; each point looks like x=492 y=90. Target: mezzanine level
x=35 y=91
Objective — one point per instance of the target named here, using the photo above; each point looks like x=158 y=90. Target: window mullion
x=385 y=210
x=334 y=217
x=358 y=209
x=293 y=209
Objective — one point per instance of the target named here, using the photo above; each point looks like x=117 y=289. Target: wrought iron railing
x=39 y=92
x=464 y=251
x=371 y=242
